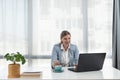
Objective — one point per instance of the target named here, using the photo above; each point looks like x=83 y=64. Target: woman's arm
x=54 y=60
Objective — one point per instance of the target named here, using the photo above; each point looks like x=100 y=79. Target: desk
x=73 y=75
x=108 y=72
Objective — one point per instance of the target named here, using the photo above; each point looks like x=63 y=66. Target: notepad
x=31 y=74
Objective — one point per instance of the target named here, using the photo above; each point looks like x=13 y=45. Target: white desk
x=73 y=75
x=108 y=72
x=105 y=73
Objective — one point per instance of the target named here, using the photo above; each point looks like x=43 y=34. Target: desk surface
x=108 y=72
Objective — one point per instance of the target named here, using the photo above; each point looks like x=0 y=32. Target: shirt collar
x=63 y=47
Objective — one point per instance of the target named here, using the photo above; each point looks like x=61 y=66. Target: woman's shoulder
x=57 y=45
x=73 y=46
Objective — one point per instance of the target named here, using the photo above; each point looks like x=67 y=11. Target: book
x=31 y=74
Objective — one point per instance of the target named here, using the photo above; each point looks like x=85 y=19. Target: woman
x=65 y=53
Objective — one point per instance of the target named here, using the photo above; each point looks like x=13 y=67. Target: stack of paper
x=31 y=74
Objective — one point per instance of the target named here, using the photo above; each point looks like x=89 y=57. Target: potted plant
x=14 y=68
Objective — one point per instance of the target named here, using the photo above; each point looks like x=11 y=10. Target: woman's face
x=66 y=40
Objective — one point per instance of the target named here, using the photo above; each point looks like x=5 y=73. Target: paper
x=32 y=73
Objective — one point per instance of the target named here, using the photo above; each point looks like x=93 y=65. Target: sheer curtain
x=89 y=21
x=32 y=27
x=50 y=17
x=100 y=26
x=13 y=26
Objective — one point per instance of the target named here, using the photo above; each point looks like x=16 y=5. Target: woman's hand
x=76 y=67
x=56 y=63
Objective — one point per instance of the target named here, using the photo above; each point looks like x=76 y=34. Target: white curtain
x=33 y=26
x=100 y=14
x=13 y=26
x=89 y=21
x=50 y=17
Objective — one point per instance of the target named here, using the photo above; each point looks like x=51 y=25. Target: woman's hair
x=64 y=33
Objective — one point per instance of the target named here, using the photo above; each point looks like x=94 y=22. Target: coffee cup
x=58 y=68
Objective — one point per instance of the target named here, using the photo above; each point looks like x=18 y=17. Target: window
x=100 y=26
x=89 y=21
x=33 y=26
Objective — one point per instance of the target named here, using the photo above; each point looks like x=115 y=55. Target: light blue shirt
x=73 y=54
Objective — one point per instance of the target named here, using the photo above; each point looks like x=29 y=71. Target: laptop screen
x=90 y=62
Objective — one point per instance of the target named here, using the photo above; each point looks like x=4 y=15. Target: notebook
x=89 y=62
x=31 y=74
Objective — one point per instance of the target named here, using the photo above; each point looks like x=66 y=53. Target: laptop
x=89 y=62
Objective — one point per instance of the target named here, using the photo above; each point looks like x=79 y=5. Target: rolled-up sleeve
x=54 y=55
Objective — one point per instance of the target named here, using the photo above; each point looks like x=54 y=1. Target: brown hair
x=64 y=33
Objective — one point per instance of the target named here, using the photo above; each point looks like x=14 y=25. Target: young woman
x=65 y=53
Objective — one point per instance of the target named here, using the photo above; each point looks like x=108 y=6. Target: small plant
x=15 y=57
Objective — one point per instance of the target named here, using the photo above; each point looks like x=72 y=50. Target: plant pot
x=13 y=70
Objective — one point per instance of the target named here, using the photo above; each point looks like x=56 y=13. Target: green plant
x=15 y=57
